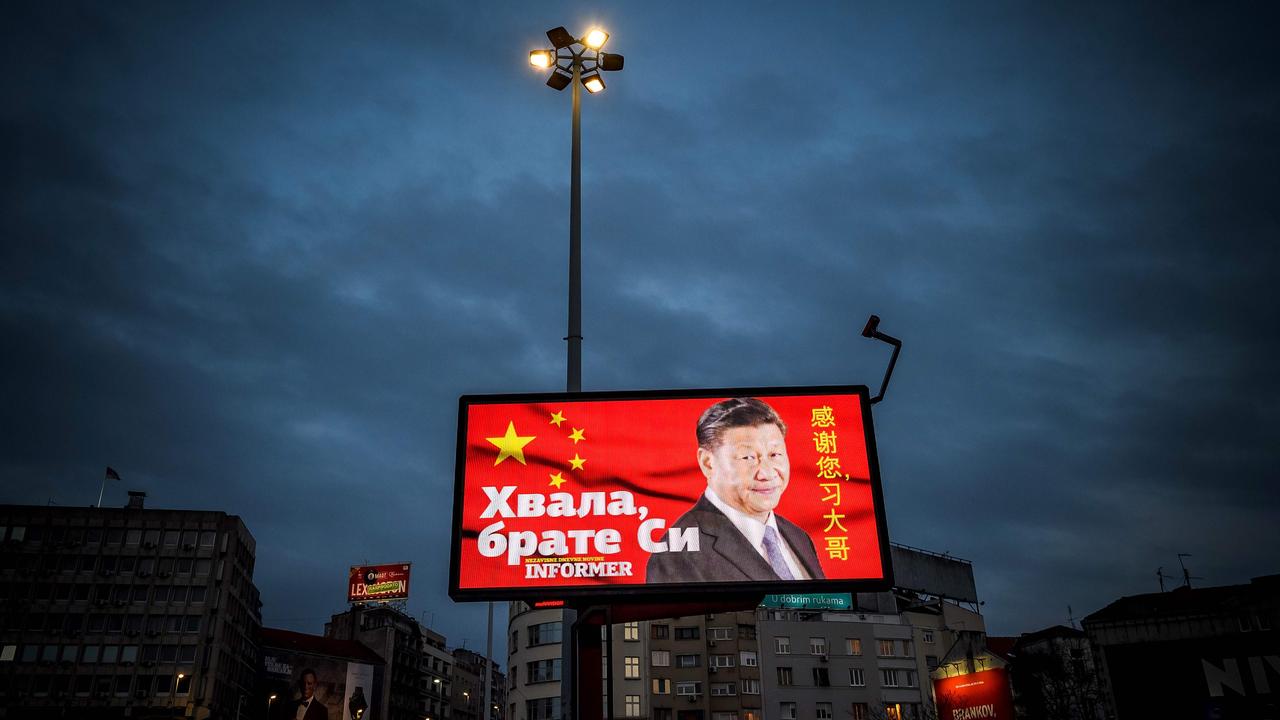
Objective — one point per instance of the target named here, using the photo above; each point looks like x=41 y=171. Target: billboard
x=767 y=490
x=984 y=694
x=318 y=687
x=371 y=583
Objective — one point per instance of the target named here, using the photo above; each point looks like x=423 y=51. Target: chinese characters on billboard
x=665 y=492
x=371 y=583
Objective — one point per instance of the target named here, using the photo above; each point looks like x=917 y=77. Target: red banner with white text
x=569 y=493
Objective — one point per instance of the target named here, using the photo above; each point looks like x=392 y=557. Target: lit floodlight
x=593 y=83
x=560 y=38
x=596 y=39
x=559 y=80
x=541 y=58
x=610 y=61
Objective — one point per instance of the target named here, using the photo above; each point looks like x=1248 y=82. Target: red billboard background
x=647 y=447
x=378 y=582
x=977 y=695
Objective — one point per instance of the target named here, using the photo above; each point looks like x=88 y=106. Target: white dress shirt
x=753 y=531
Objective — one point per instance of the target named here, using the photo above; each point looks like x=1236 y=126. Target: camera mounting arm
x=870 y=331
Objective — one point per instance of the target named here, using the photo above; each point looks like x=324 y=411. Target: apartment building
x=126 y=612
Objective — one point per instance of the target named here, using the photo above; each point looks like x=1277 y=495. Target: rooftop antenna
x=871 y=331
x=1187 y=577
x=1162 y=577
x=1071 y=619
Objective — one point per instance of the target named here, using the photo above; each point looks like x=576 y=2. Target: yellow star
x=576 y=462
x=557 y=418
x=556 y=481
x=576 y=435
x=511 y=444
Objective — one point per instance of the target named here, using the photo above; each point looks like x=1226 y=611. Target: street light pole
x=574 y=383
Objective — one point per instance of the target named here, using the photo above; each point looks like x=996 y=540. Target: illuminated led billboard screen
x=635 y=493
x=982 y=695
x=374 y=583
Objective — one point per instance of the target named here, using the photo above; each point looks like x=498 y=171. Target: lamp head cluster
x=584 y=53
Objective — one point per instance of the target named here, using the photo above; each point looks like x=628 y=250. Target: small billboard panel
x=767 y=490
x=809 y=601
x=374 y=583
x=984 y=695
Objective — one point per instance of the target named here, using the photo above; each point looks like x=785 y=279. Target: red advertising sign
x=976 y=696
x=767 y=490
x=378 y=582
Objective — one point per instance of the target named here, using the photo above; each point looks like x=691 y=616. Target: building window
x=661 y=713
x=782 y=645
x=542 y=709
x=889 y=678
x=8 y=652
x=817 y=646
x=720 y=633
x=853 y=646
x=540 y=671
x=927 y=636
x=821 y=678
x=631 y=705
x=823 y=711
x=631 y=631
x=631 y=667
x=784 y=676
x=661 y=686
x=721 y=715
x=908 y=650
x=858 y=711
x=787 y=711
x=687 y=633
x=931 y=662
x=659 y=632
x=721 y=661
x=723 y=689
x=688 y=688
x=855 y=677
x=544 y=634
x=688 y=661
x=748 y=658
x=886 y=648
x=660 y=658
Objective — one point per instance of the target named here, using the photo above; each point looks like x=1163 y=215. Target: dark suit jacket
x=315 y=711
x=724 y=554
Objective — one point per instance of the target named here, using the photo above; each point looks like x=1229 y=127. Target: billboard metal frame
x=643 y=594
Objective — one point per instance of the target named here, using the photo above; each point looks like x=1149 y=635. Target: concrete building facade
x=126 y=612
x=401 y=641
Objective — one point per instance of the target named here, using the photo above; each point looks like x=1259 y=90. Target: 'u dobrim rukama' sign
x=767 y=490
x=368 y=583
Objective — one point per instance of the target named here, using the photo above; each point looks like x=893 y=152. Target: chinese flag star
x=556 y=481
x=557 y=418
x=576 y=462
x=576 y=435
x=510 y=445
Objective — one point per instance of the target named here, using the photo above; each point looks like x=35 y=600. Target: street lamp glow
x=541 y=58
x=596 y=39
x=593 y=84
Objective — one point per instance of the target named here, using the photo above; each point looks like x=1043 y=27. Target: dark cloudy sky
x=252 y=253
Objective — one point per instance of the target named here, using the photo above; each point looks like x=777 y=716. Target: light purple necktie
x=773 y=549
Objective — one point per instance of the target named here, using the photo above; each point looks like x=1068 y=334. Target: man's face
x=308 y=686
x=749 y=469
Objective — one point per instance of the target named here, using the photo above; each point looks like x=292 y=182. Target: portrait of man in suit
x=309 y=707
x=742 y=453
